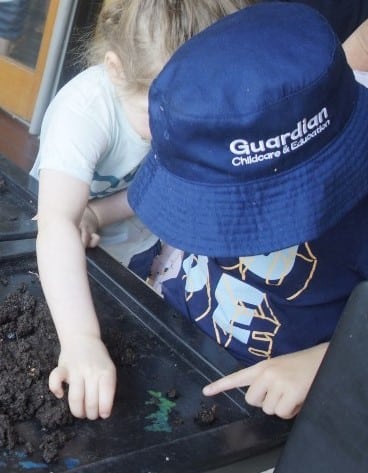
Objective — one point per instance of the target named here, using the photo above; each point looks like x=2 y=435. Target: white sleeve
x=74 y=135
x=362 y=77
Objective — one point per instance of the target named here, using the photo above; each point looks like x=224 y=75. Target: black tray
x=17 y=204
x=173 y=353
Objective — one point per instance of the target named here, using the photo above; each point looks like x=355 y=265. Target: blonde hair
x=145 y=33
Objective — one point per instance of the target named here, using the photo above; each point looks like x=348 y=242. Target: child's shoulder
x=85 y=82
x=88 y=92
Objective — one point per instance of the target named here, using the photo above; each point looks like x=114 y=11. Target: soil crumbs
x=29 y=350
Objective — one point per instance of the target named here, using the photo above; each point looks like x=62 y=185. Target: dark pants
x=141 y=263
x=330 y=434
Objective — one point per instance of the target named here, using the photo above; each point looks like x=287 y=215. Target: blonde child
x=94 y=136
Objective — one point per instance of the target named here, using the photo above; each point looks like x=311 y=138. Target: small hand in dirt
x=88 y=228
x=278 y=385
x=85 y=365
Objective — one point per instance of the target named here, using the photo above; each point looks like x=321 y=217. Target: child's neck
x=136 y=109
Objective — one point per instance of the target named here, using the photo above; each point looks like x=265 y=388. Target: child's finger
x=239 y=379
x=85 y=237
x=76 y=397
x=258 y=391
x=271 y=400
x=287 y=407
x=94 y=240
x=107 y=388
x=56 y=379
x=91 y=399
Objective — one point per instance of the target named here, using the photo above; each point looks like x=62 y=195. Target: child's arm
x=84 y=362
x=356 y=48
x=101 y=212
x=278 y=385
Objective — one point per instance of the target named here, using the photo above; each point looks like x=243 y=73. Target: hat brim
x=259 y=216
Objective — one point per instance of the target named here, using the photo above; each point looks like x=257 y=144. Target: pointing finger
x=239 y=379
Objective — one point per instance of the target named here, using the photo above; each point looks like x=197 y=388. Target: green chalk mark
x=160 y=418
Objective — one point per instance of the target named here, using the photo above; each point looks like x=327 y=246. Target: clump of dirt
x=124 y=351
x=172 y=394
x=29 y=350
x=206 y=415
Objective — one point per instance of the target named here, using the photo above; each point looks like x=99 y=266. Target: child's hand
x=85 y=365
x=278 y=385
x=88 y=228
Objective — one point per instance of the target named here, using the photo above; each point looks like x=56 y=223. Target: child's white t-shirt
x=86 y=134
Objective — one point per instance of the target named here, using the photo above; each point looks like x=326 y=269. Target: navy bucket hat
x=259 y=136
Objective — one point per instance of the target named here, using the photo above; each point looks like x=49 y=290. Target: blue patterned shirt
x=285 y=301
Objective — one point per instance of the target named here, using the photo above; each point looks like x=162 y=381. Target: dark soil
x=29 y=350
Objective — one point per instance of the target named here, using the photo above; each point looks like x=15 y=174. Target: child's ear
x=114 y=66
